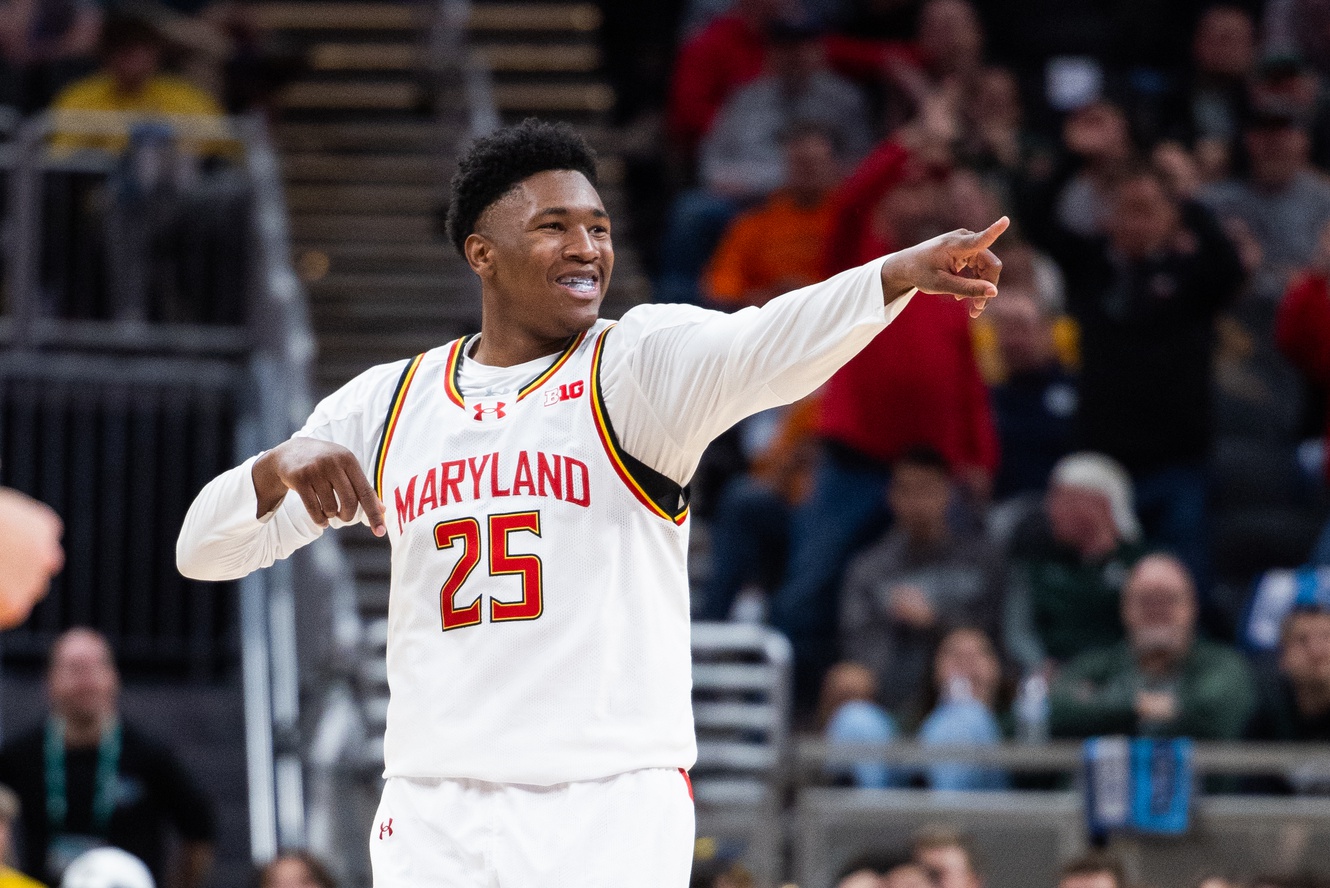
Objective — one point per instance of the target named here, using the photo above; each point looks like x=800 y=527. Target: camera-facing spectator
x=1099 y=140
x=120 y=787
x=1162 y=680
x=1069 y=561
x=949 y=856
x=918 y=582
x=294 y=869
x=1095 y=869
x=777 y=246
x=1146 y=297
x=1279 y=208
x=1297 y=708
x=9 y=809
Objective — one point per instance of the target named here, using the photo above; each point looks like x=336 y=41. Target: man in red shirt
x=915 y=384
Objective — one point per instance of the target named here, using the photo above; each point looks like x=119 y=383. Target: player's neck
x=508 y=348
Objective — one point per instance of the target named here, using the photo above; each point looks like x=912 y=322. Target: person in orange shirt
x=777 y=246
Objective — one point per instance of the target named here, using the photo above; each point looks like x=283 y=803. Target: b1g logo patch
x=566 y=392
x=489 y=411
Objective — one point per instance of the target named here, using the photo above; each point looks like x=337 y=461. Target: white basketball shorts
x=634 y=829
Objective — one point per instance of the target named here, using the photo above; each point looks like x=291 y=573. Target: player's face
x=549 y=254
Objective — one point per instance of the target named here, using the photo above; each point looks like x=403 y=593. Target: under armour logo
x=482 y=411
x=385 y=829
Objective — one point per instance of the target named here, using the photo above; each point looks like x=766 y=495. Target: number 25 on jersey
x=466 y=533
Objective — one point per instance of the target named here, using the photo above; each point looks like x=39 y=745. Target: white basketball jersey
x=538 y=620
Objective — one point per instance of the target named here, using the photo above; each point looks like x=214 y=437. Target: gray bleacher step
x=372 y=258
x=380 y=95
x=348 y=16
x=552 y=98
x=321 y=166
x=361 y=226
x=534 y=17
x=331 y=197
x=408 y=135
x=357 y=286
x=360 y=56
x=540 y=58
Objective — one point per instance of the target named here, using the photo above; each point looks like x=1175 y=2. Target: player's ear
x=479 y=253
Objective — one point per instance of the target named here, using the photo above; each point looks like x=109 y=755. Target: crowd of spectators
x=1057 y=511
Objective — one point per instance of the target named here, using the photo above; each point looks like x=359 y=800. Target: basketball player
x=531 y=479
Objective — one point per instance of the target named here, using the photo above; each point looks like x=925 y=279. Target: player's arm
x=273 y=504
x=677 y=376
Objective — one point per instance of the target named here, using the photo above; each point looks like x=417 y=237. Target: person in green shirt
x=1162 y=680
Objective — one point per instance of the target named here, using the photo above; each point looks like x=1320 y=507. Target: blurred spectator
x=915 y=383
x=750 y=531
x=949 y=856
x=45 y=44
x=1278 y=209
x=777 y=246
x=741 y=157
x=1302 y=329
x=9 y=808
x=1069 y=562
x=907 y=875
x=1299 y=28
x=965 y=700
x=1297 y=709
x=1163 y=680
x=30 y=555
x=1035 y=406
x=712 y=64
x=87 y=778
x=1208 y=112
x=131 y=80
x=1099 y=139
x=950 y=41
x=294 y=869
x=994 y=139
x=1146 y=297
x=918 y=582
x=1094 y=869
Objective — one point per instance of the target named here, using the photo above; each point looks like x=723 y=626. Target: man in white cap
x=1070 y=561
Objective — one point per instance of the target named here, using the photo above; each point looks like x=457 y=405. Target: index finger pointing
x=984 y=239
x=369 y=501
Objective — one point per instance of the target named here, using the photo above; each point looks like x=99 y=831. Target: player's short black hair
x=494 y=164
x=925 y=456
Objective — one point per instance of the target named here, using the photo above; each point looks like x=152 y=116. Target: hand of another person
x=30 y=554
x=1178 y=168
x=958 y=264
x=326 y=476
x=909 y=605
x=1155 y=707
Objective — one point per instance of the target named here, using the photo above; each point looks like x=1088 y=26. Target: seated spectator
x=294 y=869
x=131 y=81
x=965 y=702
x=750 y=530
x=777 y=246
x=1099 y=140
x=742 y=160
x=1162 y=680
x=1069 y=562
x=918 y=582
x=1146 y=297
x=10 y=877
x=1094 y=869
x=948 y=855
x=1297 y=709
x=1281 y=205
x=1034 y=408
x=995 y=141
x=120 y=787
x=713 y=63
x=917 y=382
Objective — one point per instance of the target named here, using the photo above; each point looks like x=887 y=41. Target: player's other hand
x=327 y=477
x=30 y=554
x=958 y=263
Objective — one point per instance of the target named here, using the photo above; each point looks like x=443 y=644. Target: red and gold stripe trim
x=611 y=447
x=553 y=368
x=390 y=425
x=453 y=368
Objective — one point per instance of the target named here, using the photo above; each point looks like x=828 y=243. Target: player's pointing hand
x=958 y=263
x=326 y=476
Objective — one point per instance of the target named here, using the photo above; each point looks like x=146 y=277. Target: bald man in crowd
x=87 y=778
x=1161 y=680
